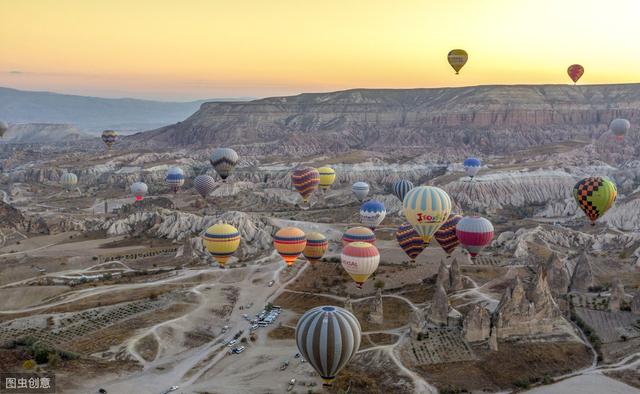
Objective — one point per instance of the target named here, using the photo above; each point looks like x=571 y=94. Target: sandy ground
x=586 y=384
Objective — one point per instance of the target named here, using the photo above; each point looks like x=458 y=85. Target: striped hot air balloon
x=306 y=181
x=360 y=189
x=360 y=260
x=426 y=208
x=372 y=213
x=410 y=241
x=175 y=178
x=69 y=180
x=575 y=72
x=358 y=234
x=328 y=337
x=223 y=160
x=472 y=166
x=474 y=234
x=222 y=241
x=457 y=58
x=290 y=242
x=446 y=234
x=327 y=177
x=139 y=190
x=204 y=185
x=317 y=245
x=595 y=195
x=401 y=188
x=109 y=137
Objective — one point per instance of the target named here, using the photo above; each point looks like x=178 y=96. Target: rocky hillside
x=43 y=133
x=492 y=119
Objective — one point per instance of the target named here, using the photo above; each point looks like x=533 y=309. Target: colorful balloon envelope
x=139 y=190
x=68 y=180
x=328 y=337
x=358 y=234
x=290 y=243
x=204 y=185
x=327 y=177
x=360 y=260
x=595 y=195
x=223 y=160
x=306 y=181
x=619 y=128
x=474 y=234
x=401 y=188
x=575 y=71
x=360 y=189
x=372 y=213
x=222 y=241
x=317 y=245
x=410 y=241
x=472 y=166
x=109 y=137
x=457 y=58
x=175 y=178
x=446 y=234
x=426 y=208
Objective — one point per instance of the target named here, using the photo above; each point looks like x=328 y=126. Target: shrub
x=41 y=352
x=523 y=384
x=54 y=360
x=379 y=284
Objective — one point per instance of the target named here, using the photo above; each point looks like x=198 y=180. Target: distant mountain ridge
x=91 y=114
x=492 y=119
x=43 y=133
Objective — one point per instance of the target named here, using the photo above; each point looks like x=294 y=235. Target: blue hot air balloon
x=401 y=188
x=472 y=166
x=372 y=213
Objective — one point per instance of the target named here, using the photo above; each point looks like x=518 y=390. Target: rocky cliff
x=492 y=119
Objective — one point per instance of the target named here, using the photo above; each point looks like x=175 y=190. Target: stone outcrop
x=416 y=323
x=557 y=275
x=348 y=305
x=376 y=315
x=582 y=278
x=635 y=303
x=443 y=278
x=477 y=324
x=493 y=341
x=439 y=312
x=617 y=296
x=520 y=314
x=455 y=276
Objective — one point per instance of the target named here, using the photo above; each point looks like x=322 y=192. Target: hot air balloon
x=139 y=190
x=204 y=185
x=175 y=178
x=328 y=337
x=109 y=137
x=221 y=240
x=575 y=71
x=474 y=234
x=358 y=234
x=327 y=177
x=472 y=166
x=372 y=213
x=619 y=128
x=3 y=128
x=360 y=260
x=401 y=188
x=223 y=161
x=360 y=189
x=410 y=241
x=68 y=180
x=317 y=244
x=306 y=181
x=426 y=208
x=446 y=234
x=595 y=196
x=457 y=59
x=290 y=242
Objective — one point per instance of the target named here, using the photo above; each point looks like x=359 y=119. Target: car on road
x=253 y=327
x=237 y=350
x=232 y=342
x=271 y=283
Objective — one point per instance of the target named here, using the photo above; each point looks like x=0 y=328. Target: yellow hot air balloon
x=426 y=208
x=457 y=59
x=221 y=240
x=317 y=244
x=327 y=177
x=360 y=260
x=290 y=242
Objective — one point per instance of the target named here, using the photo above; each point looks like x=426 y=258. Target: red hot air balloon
x=474 y=234
x=575 y=71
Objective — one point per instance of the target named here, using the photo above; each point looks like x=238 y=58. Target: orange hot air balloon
x=317 y=244
x=290 y=243
x=575 y=71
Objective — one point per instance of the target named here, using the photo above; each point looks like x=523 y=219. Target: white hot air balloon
x=139 y=190
x=360 y=189
x=619 y=128
x=68 y=180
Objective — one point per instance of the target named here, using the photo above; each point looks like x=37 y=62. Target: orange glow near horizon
x=173 y=49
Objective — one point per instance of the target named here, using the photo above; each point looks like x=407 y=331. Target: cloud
x=16 y=72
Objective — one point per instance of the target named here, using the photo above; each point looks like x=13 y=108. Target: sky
x=196 y=49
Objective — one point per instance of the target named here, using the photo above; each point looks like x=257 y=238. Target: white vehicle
x=245 y=316
x=253 y=327
x=271 y=283
x=240 y=349
x=232 y=342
